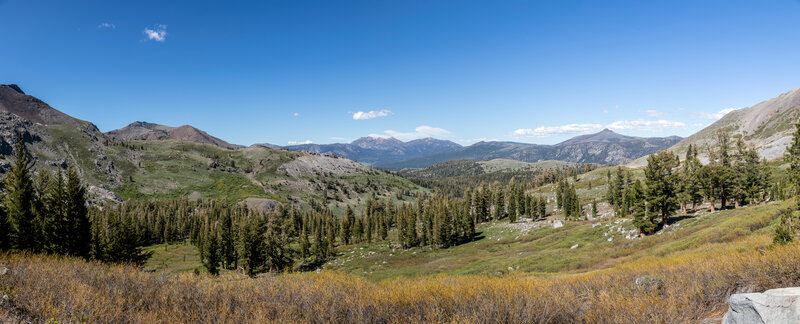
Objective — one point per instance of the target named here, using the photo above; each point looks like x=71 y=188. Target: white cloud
x=298 y=142
x=605 y=111
x=645 y=125
x=107 y=25
x=547 y=131
x=475 y=140
x=577 y=129
x=379 y=135
x=157 y=33
x=655 y=113
x=296 y=114
x=419 y=132
x=714 y=116
x=371 y=114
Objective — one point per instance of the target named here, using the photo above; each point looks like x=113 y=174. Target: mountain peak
x=140 y=130
x=14 y=100
x=13 y=87
x=608 y=136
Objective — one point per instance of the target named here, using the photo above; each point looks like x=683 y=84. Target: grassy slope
x=173 y=169
x=547 y=251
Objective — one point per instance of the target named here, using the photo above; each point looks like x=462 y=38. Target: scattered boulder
x=772 y=306
x=264 y=205
x=99 y=194
x=574 y=247
x=649 y=283
x=558 y=223
x=4 y=271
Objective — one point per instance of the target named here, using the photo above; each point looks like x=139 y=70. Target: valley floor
x=683 y=275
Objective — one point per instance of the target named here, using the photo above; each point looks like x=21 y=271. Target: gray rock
x=4 y=271
x=773 y=306
x=649 y=283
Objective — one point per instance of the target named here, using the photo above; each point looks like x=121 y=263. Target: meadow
x=684 y=275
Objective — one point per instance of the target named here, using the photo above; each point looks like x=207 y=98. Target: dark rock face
x=13 y=100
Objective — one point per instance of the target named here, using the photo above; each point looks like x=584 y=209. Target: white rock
x=558 y=223
x=610 y=239
x=595 y=225
x=773 y=306
x=574 y=246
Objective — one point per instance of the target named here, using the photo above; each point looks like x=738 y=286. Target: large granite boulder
x=772 y=306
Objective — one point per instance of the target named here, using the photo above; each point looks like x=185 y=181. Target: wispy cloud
x=300 y=142
x=419 y=132
x=547 y=131
x=577 y=129
x=475 y=140
x=296 y=114
x=107 y=25
x=157 y=33
x=714 y=116
x=655 y=113
x=645 y=125
x=360 y=115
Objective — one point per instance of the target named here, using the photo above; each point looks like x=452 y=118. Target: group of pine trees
x=568 y=201
x=46 y=214
x=734 y=176
x=496 y=202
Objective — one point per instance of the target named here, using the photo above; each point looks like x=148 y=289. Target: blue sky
x=331 y=71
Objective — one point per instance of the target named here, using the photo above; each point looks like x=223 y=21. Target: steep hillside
x=149 y=131
x=146 y=160
x=379 y=151
x=605 y=147
x=767 y=126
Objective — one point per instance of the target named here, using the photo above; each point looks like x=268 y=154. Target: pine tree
x=661 y=186
x=19 y=200
x=211 y=253
x=78 y=216
x=793 y=157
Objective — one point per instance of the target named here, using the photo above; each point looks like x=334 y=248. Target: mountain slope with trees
x=766 y=126
x=148 y=163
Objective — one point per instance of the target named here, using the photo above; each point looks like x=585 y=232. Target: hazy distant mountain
x=606 y=147
x=149 y=131
x=766 y=126
x=379 y=150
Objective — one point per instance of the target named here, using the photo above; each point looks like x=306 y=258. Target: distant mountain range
x=378 y=151
x=606 y=147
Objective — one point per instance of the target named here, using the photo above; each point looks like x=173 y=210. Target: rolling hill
x=149 y=131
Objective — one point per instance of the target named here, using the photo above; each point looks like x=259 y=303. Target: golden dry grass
x=691 y=288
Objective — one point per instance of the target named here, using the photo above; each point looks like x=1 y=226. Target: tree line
x=733 y=177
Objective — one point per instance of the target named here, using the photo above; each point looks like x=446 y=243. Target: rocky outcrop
x=263 y=205
x=772 y=306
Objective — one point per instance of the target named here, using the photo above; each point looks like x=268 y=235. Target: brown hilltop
x=150 y=131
